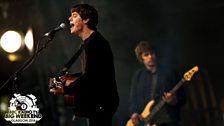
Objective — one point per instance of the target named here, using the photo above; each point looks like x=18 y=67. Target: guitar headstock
x=189 y=74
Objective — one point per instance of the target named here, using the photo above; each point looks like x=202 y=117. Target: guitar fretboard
x=162 y=102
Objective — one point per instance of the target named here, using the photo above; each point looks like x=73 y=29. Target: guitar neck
x=162 y=102
x=177 y=86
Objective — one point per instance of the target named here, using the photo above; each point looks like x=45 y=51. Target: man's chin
x=73 y=32
x=151 y=64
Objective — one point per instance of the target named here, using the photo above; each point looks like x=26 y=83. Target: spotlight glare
x=12 y=57
x=3 y=107
x=29 y=39
x=11 y=41
x=4 y=101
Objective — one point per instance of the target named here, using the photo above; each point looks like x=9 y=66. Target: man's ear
x=86 y=21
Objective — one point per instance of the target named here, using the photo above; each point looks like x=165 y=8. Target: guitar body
x=144 y=114
x=69 y=99
x=129 y=123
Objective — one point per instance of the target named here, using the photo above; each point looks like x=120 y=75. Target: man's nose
x=69 y=18
x=149 y=56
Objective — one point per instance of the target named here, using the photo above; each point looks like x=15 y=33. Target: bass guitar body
x=143 y=115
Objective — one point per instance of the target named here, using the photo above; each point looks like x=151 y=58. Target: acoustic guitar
x=69 y=99
x=148 y=114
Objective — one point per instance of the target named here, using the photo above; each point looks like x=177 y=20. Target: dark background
x=186 y=33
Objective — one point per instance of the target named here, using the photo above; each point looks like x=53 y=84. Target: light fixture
x=11 y=41
x=29 y=40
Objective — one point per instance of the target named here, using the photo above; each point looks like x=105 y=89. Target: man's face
x=149 y=58
x=76 y=23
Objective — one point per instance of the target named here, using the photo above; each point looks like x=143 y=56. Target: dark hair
x=143 y=46
x=86 y=11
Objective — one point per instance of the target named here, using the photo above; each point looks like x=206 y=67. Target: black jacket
x=96 y=88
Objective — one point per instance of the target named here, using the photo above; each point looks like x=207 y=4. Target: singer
x=96 y=96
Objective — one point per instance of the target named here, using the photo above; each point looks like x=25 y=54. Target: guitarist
x=152 y=82
x=96 y=95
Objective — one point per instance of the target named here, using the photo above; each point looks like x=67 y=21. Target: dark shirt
x=142 y=92
x=96 y=88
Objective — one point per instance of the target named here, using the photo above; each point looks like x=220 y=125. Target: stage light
x=11 y=41
x=3 y=107
x=4 y=102
x=12 y=57
x=29 y=40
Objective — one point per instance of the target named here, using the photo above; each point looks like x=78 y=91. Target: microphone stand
x=28 y=62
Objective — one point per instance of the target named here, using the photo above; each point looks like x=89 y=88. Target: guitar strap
x=74 y=58
x=153 y=84
x=83 y=61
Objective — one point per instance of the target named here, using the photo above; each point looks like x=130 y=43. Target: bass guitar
x=148 y=114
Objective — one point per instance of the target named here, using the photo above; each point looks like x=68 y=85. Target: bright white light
x=3 y=107
x=29 y=39
x=11 y=41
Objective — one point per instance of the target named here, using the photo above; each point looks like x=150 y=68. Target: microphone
x=52 y=32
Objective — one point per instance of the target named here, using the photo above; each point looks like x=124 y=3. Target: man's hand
x=170 y=98
x=136 y=119
x=67 y=78
x=57 y=91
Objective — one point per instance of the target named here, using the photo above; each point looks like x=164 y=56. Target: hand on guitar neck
x=170 y=98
